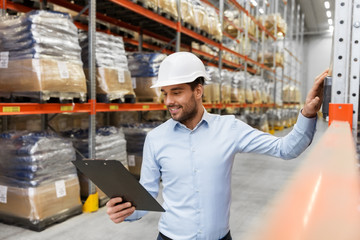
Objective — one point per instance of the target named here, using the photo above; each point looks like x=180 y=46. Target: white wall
x=317 y=51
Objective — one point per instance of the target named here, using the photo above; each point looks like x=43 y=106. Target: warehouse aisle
x=256 y=180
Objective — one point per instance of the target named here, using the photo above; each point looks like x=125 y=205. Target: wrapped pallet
x=135 y=135
x=110 y=145
x=168 y=7
x=144 y=68
x=212 y=87
x=113 y=79
x=38 y=182
x=239 y=79
x=40 y=57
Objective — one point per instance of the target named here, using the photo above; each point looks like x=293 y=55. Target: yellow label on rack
x=66 y=108
x=11 y=109
x=145 y=106
x=165 y=106
x=113 y=107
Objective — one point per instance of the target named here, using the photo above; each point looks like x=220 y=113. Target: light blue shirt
x=195 y=167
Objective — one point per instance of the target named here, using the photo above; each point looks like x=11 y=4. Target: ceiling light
x=327 y=4
x=328 y=14
x=331 y=28
x=261 y=10
x=330 y=21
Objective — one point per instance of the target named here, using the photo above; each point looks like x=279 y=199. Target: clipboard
x=116 y=181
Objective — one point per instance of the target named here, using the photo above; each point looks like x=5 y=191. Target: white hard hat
x=178 y=68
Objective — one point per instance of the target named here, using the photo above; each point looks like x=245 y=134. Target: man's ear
x=199 y=90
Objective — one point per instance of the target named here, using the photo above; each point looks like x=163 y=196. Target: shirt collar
x=205 y=119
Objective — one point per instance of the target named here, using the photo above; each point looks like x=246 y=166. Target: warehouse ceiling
x=316 y=20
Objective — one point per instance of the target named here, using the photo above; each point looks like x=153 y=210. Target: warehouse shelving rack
x=155 y=26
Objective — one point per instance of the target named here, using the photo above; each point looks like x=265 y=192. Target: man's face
x=181 y=102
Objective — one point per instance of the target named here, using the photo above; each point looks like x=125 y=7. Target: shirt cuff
x=306 y=124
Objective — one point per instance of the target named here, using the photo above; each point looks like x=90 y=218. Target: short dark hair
x=197 y=81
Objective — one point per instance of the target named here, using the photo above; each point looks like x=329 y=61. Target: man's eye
x=176 y=93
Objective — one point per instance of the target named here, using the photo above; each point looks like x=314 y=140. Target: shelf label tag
x=114 y=107
x=63 y=70
x=11 y=109
x=133 y=80
x=3 y=194
x=121 y=77
x=131 y=160
x=60 y=188
x=66 y=108
x=145 y=106
x=4 y=59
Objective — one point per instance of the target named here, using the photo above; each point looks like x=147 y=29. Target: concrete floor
x=256 y=180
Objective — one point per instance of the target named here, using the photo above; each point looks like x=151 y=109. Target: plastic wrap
x=135 y=135
x=212 y=87
x=168 y=7
x=145 y=64
x=239 y=79
x=38 y=207
x=38 y=181
x=41 y=57
x=29 y=159
x=113 y=78
x=110 y=143
x=143 y=91
x=187 y=12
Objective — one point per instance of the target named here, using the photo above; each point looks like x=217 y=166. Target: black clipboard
x=116 y=181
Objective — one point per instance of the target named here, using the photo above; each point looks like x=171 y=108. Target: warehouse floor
x=256 y=180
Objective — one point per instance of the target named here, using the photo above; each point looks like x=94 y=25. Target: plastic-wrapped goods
x=187 y=12
x=110 y=143
x=275 y=118
x=212 y=87
x=233 y=16
x=258 y=121
x=144 y=64
x=270 y=23
x=199 y=13
x=38 y=181
x=135 y=135
x=286 y=94
x=40 y=57
x=256 y=85
x=168 y=7
x=145 y=67
x=113 y=79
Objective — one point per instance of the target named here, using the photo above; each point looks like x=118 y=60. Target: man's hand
x=315 y=97
x=118 y=212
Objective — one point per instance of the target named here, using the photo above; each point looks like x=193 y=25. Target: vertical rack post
x=92 y=202
x=178 y=29
x=274 y=49
x=263 y=38
x=290 y=47
x=3 y=7
x=283 y=54
x=301 y=56
x=296 y=50
x=221 y=18
x=355 y=66
x=339 y=93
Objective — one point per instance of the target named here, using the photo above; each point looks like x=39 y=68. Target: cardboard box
x=41 y=204
x=43 y=75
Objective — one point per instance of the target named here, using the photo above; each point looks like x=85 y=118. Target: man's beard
x=187 y=113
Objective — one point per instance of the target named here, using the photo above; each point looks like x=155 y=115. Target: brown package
x=43 y=75
x=40 y=203
x=144 y=92
x=113 y=82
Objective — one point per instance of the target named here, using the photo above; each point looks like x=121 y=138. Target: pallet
x=148 y=99
x=42 y=224
x=41 y=97
x=104 y=98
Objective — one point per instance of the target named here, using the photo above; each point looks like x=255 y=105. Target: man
x=193 y=154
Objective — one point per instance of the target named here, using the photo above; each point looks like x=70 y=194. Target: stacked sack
x=110 y=145
x=40 y=57
x=212 y=86
x=113 y=79
x=144 y=68
x=38 y=182
x=135 y=135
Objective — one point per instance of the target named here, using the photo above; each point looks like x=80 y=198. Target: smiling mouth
x=174 y=109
